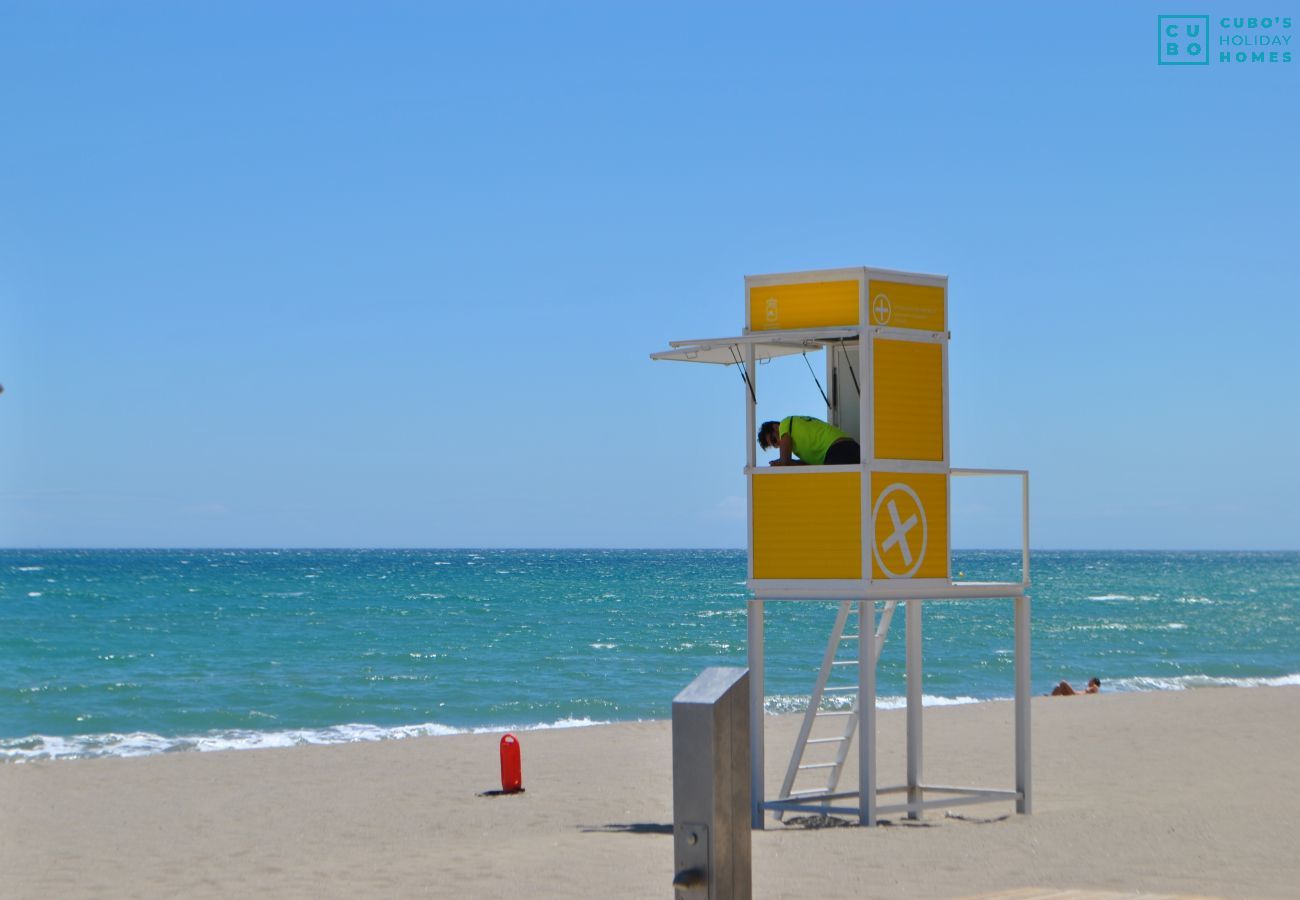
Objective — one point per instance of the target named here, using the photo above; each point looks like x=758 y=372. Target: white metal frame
x=868 y=808
x=749 y=348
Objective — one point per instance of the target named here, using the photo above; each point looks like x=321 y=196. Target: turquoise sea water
x=132 y=652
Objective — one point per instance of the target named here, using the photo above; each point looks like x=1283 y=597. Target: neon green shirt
x=810 y=437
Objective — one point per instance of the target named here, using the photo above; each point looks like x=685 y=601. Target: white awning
x=767 y=345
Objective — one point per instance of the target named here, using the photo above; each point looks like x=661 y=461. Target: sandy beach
x=1192 y=793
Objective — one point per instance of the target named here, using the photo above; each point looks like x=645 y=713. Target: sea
x=138 y=652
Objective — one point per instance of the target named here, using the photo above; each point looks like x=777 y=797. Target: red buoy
x=512 y=778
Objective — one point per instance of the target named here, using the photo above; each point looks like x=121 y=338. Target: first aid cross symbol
x=899 y=536
x=882 y=309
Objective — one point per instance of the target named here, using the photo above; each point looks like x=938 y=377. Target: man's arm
x=787 y=453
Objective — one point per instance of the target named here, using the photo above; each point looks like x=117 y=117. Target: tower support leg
x=1024 y=780
x=914 y=706
x=867 y=651
x=756 y=726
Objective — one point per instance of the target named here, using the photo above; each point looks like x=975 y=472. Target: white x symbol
x=910 y=534
x=900 y=533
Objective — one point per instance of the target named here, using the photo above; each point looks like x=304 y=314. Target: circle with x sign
x=906 y=532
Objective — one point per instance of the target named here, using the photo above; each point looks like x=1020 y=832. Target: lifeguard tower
x=867 y=536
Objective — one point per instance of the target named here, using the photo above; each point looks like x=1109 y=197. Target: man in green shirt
x=812 y=440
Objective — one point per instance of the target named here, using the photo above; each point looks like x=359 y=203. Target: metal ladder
x=843 y=741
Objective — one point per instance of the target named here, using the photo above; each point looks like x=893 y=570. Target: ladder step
x=827 y=715
x=850 y=637
x=845 y=662
x=839 y=690
x=829 y=765
x=812 y=792
x=838 y=740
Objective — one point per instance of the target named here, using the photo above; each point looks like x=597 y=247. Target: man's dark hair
x=762 y=433
x=1095 y=680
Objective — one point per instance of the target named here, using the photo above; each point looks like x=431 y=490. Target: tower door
x=845 y=381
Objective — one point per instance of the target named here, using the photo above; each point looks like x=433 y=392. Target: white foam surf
x=141 y=743
x=788 y=703
x=1191 y=682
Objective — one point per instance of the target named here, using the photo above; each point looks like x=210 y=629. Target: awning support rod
x=848 y=361
x=744 y=374
x=815 y=381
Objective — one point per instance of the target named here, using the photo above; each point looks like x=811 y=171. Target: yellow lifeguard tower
x=877 y=532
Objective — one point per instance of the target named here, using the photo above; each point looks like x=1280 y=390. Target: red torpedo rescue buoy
x=512 y=779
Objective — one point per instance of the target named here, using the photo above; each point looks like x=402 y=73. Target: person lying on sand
x=1064 y=690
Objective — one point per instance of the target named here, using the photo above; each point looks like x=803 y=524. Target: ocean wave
x=1190 y=682
x=1119 y=626
x=141 y=743
x=135 y=744
x=788 y=703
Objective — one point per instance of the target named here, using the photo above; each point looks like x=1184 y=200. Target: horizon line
x=378 y=548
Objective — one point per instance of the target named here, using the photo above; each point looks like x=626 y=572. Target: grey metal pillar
x=757 y=794
x=711 y=808
x=914 y=694
x=866 y=712
x=1024 y=774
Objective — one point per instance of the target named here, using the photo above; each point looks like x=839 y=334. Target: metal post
x=711 y=833
x=1024 y=780
x=914 y=706
x=866 y=712
x=751 y=414
x=756 y=764
x=1024 y=528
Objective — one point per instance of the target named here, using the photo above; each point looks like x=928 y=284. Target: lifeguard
x=812 y=440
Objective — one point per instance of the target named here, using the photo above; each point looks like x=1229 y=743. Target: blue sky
x=387 y=274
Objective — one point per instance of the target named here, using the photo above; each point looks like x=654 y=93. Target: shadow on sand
x=630 y=828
